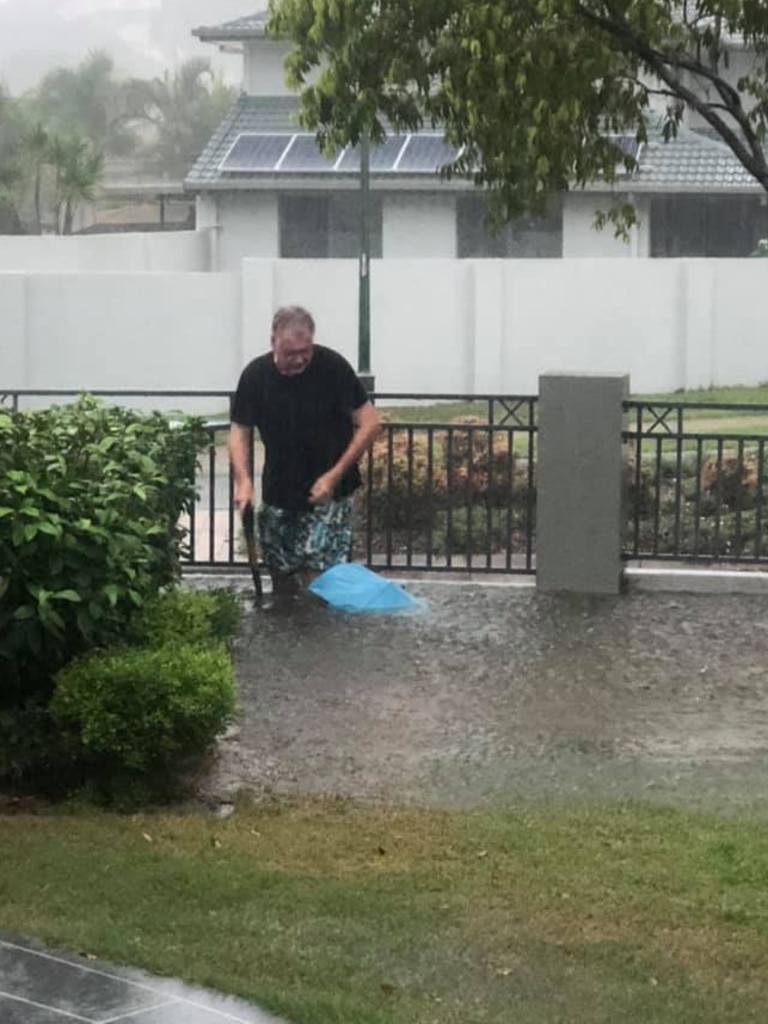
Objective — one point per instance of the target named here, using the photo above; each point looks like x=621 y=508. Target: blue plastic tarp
x=353 y=588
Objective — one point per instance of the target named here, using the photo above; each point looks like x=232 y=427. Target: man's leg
x=285 y=586
x=277 y=534
x=327 y=538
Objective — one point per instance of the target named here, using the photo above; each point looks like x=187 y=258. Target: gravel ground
x=494 y=695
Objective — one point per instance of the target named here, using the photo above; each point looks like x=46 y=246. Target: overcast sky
x=144 y=36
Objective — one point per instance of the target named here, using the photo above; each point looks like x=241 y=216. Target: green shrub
x=90 y=501
x=137 y=711
x=31 y=743
x=186 y=616
x=413 y=483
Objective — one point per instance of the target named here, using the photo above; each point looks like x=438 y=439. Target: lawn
x=721 y=421
x=335 y=913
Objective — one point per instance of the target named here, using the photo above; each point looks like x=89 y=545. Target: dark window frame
x=334 y=232
x=708 y=225
x=474 y=240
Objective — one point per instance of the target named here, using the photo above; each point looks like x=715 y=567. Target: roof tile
x=252 y=26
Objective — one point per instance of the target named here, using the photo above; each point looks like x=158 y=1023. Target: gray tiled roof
x=249 y=114
x=251 y=27
x=691 y=162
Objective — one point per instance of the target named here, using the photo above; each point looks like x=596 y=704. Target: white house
x=266 y=189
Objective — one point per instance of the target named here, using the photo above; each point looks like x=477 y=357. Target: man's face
x=292 y=351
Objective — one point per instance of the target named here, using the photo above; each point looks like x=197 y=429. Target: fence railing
x=450 y=484
x=453 y=496
x=695 y=493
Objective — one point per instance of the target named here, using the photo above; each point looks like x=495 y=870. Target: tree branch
x=749 y=152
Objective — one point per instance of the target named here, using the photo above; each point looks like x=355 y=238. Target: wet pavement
x=41 y=986
x=494 y=695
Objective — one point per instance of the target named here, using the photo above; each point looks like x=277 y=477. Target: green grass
x=445 y=412
x=332 y=913
x=748 y=395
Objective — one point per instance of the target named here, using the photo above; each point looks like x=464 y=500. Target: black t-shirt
x=304 y=421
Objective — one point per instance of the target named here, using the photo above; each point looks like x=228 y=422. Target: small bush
x=731 y=482
x=138 y=711
x=413 y=482
x=186 y=616
x=31 y=743
x=480 y=463
x=90 y=501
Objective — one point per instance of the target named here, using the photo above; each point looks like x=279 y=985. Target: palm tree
x=184 y=109
x=88 y=101
x=78 y=168
x=11 y=174
x=37 y=145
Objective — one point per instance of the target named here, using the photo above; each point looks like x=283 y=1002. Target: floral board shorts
x=317 y=539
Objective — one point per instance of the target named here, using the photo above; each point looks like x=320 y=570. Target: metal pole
x=364 y=291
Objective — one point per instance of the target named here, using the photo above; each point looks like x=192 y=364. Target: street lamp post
x=364 y=275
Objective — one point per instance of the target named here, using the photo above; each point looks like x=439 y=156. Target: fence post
x=579 y=483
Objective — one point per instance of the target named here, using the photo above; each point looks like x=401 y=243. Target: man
x=315 y=420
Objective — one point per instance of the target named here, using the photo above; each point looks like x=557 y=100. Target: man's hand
x=239 y=447
x=321 y=491
x=243 y=493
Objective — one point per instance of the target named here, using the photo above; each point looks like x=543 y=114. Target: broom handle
x=253 y=553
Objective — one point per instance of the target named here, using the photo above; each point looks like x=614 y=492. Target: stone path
x=42 y=986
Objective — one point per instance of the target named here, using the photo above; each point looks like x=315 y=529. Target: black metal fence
x=450 y=485
x=694 y=493
x=452 y=493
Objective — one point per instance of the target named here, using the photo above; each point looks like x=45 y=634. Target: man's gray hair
x=293 y=318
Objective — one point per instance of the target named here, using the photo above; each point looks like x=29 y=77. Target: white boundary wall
x=117 y=252
x=485 y=326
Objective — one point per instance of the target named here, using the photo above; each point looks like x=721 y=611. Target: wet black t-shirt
x=304 y=421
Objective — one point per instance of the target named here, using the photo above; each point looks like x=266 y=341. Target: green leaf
x=67 y=595
x=52 y=529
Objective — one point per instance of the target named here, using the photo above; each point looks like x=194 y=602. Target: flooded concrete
x=497 y=694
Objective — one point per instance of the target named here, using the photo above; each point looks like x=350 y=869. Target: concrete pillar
x=579 y=488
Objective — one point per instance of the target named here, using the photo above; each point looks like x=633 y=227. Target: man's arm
x=367 y=424
x=239 y=452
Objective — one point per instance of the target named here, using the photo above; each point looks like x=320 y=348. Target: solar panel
x=253 y=152
x=382 y=157
x=425 y=154
x=306 y=155
x=265 y=153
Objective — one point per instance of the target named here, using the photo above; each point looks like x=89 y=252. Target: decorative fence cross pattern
x=693 y=494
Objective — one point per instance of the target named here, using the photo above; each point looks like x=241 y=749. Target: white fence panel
x=174 y=251
x=437 y=325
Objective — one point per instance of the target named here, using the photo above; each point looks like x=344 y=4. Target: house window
x=325 y=226
x=528 y=237
x=700 y=225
